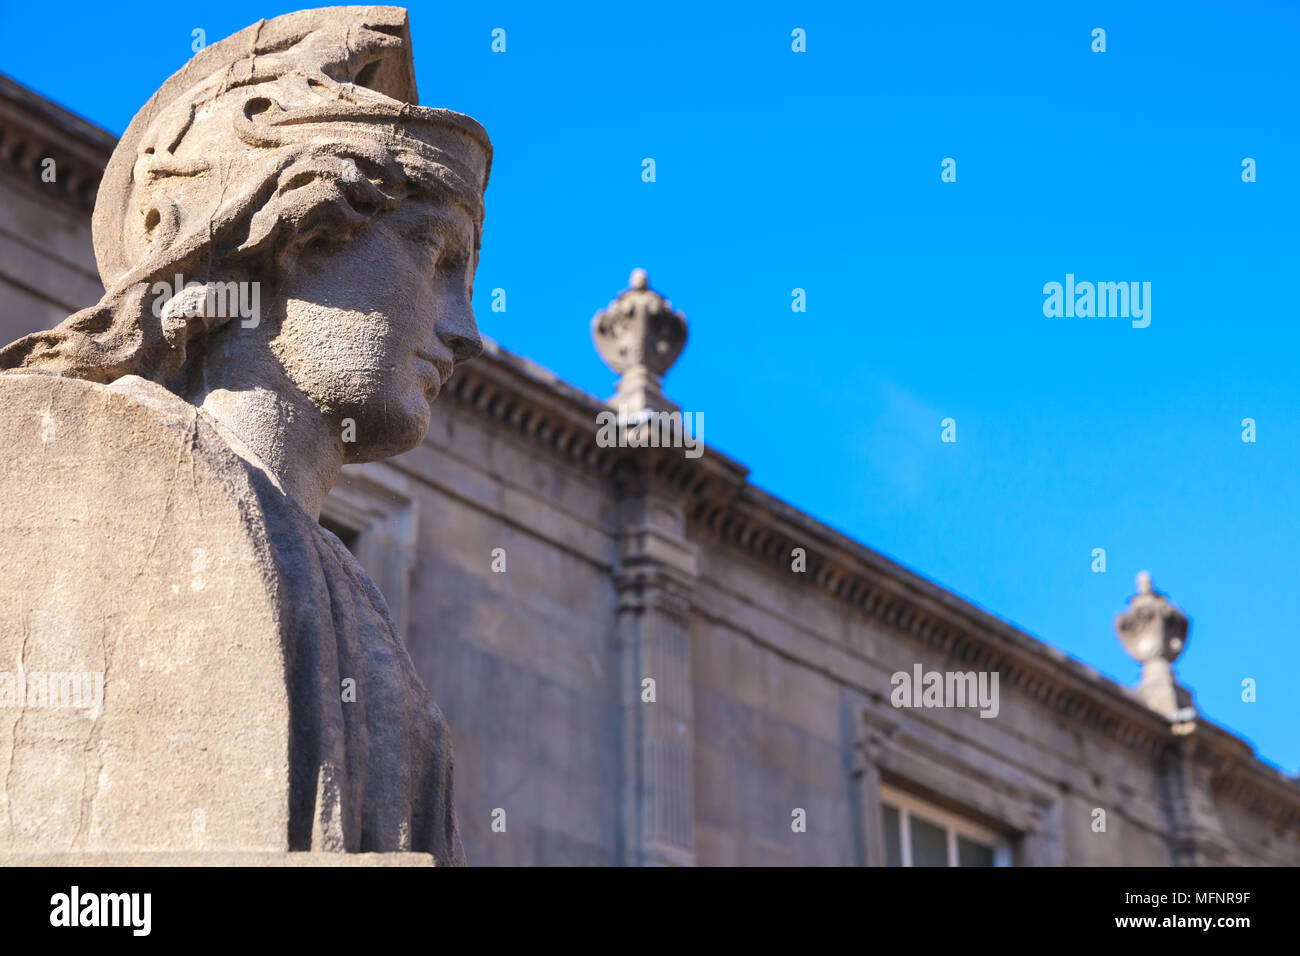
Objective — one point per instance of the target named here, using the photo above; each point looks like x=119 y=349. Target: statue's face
x=371 y=330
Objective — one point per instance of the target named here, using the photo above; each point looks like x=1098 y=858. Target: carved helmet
x=293 y=129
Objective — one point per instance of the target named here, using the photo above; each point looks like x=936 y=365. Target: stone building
x=543 y=579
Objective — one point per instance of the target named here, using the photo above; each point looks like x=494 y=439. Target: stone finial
x=639 y=336
x=1154 y=632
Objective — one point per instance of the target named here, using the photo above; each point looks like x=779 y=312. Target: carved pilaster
x=1196 y=834
x=654 y=579
x=865 y=773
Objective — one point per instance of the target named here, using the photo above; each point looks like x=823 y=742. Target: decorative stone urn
x=1154 y=632
x=640 y=337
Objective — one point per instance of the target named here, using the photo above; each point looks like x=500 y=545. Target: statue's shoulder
x=40 y=410
x=59 y=432
x=136 y=560
x=129 y=489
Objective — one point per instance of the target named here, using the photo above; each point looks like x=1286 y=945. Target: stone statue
x=288 y=246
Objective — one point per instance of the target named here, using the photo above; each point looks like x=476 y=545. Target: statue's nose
x=459 y=332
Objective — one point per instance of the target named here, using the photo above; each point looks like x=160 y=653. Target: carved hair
x=277 y=137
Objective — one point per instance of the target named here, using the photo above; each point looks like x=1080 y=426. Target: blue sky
x=821 y=171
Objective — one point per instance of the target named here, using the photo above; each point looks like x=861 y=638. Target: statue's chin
x=385 y=435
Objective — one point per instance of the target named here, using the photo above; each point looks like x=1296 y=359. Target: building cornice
x=720 y=502
x=1238 y=773
x=32 y=129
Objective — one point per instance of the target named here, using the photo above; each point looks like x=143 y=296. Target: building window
x=372 y=511
x=351 y=537
x=917 y=833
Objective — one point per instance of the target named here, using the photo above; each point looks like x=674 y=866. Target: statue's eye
x=426 y=238
x=429 y=245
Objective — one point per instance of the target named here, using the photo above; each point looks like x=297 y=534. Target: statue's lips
x=441 y=365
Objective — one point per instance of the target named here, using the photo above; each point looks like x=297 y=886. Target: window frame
x=376 y=503
x=951 y=823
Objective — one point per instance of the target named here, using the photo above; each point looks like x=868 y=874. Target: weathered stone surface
x=167 y=453
x=132 y=556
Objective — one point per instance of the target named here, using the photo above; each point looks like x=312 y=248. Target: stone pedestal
x=143 y=697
